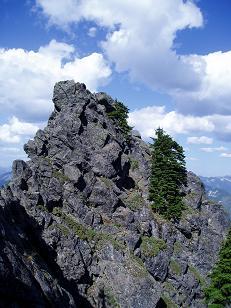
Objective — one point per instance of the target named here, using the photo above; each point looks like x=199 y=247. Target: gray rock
x=72 y=172
x=73 y=217
x=107 y=162
x=136 y=133
x=158 y=266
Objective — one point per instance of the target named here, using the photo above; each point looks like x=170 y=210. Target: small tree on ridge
x=168 y=174
x=218 y=294
x=120 y=114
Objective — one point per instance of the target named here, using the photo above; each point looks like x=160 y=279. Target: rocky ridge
x=77 y=229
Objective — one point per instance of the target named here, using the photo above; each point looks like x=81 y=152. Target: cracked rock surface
x=77 y=229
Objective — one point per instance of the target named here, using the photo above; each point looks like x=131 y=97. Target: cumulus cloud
x=110 y=13
x=15 y=129
x=140 y=41
x=214 y=94
x=61 y=13
x=27 y=77
x=214 y=149
x=199 y=140
x=140 y=36
x=147 y=119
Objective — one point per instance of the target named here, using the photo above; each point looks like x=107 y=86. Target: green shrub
x=198 y=276
x=57 y=211
x=106 y=181
x=175 y=267
x=86 y=233
x=137 y=266
x=48 y=159
x=110 y=298
x=169 y=287
x=151 y=246
x=42 y=207
x=169 y=303
x=134 y=164
x=81 y=231
x=177 y=247
x=218 y=294
x=64 y=230
x=60 y=176
x=133 y=200
x=120 y=115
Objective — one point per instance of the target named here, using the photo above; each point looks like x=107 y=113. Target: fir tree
x=168 y=174
x=120 y=114
x=218 y=294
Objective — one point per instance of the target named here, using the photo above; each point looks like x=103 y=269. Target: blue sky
x=169 y=61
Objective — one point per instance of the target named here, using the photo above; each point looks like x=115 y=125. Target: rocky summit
x=76 y=226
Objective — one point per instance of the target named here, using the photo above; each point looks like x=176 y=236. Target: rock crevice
x=77 y=229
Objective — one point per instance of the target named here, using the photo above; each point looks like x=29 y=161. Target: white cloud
x=27 y=77
x=147 y=119
x=61 y=13
x=15 y=129
x=199 y=140
x=140 y=41
x=110 y=13
x=222 y=130
x=215 y=149
x=140 y=36
x=214 y=94
x=9 y=154
x=227 y=155
x=92 y=32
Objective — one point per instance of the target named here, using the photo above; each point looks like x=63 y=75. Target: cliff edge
x=77 y=229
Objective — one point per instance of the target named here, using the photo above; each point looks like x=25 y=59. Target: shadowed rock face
x=77 y=229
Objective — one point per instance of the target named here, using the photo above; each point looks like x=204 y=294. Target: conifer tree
x=168 y=174
x=120 y=114
x=218 y=294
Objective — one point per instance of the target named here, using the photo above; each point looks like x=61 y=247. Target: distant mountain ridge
x=219 y=189
x=4 y=177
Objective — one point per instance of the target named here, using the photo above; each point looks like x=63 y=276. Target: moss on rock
x=151 y=246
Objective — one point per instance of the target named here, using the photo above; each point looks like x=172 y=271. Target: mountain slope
x=4 y=178
x=219 y=190
x=85 y=233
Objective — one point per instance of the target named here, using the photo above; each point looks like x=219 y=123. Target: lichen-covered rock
x=76 y=226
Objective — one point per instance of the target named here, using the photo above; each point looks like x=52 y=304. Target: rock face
x=77 y=229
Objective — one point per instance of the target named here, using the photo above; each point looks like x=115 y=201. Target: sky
x=169 y=61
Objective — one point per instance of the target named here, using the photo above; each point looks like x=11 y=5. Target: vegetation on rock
x=133 y=200
x=150 y=246
x=168 y=174
x=120 y=114
x=198 y=276
x=134 y=164
x=218 y=294
x=175 y=267
x=77 y=230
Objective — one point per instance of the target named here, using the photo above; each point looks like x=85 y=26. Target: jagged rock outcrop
x=77 y=229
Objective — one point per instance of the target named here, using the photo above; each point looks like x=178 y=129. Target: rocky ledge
x=77 y=229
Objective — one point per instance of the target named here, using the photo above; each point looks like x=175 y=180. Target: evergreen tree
x=120 y=114
x=168 y=174
x=218 y=294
